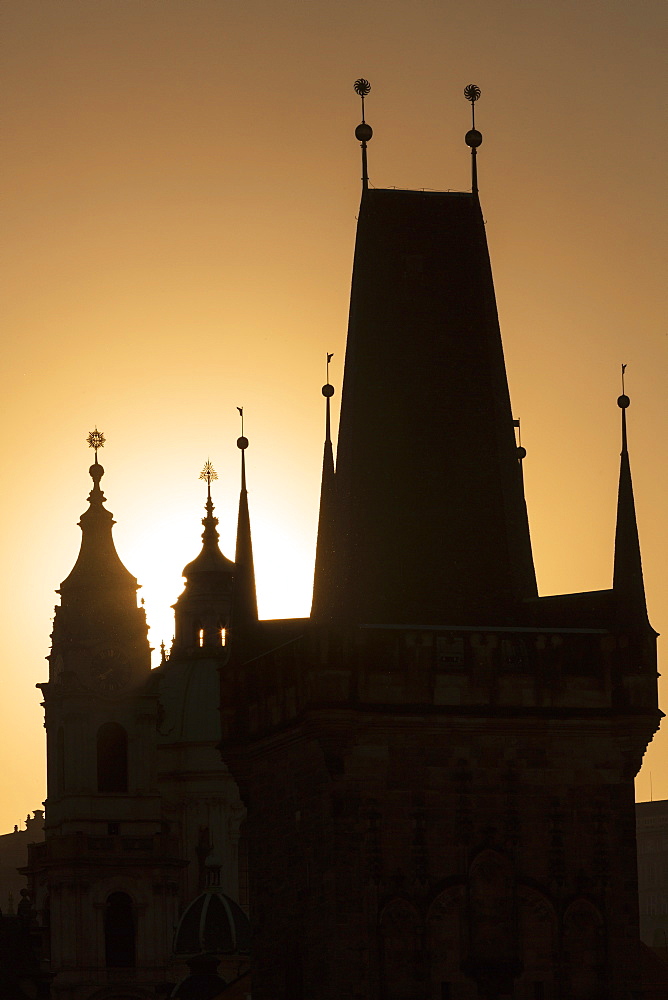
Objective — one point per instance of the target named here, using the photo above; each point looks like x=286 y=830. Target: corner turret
x=324 y=552
x=244 y=605
x=627 y=582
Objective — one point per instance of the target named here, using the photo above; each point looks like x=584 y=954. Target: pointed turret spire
x=202 y=612
x=324 y=552
x=628 y=582
x=244 y=608
x=363 y=132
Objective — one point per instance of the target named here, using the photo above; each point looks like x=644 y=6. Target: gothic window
x=537 y=924
x=112 y=758
x=119 y=931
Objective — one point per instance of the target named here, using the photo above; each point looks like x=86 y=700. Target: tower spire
x=210 y=534
x=98 y=572
x=473 y=137
x=627 y=582
x=363 y=132
x=98 y=600
x=244 y=607
x=324 y=552
x=202 y=612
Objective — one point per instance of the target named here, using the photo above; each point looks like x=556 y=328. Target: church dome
x=212 y=923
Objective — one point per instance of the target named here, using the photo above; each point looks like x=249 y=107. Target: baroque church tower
x=438 y=765
x=105 y=881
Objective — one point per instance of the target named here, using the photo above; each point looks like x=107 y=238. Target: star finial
x=95 y=440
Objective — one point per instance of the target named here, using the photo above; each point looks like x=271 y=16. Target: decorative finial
x=242 y=442
x=623 y=401
x=473 y=137
x=208 y=473
x=363 y=132
x=328 y=392
x=520 y=451
x=95 y=440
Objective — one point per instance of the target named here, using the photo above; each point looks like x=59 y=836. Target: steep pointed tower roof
x=431 y=525
x=628 y=584
x=244 y=606
x=325 y=549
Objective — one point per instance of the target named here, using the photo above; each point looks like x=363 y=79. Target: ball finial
x=242 y=443
x=328 y=390
x=623 y=401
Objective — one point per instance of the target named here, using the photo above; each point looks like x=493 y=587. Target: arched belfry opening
x=119 y=931
x=112 y=758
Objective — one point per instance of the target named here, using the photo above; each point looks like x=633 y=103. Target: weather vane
x=363 y=132
x=473 y=137
x=95 y=440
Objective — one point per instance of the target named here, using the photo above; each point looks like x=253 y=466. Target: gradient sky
x=180 y=182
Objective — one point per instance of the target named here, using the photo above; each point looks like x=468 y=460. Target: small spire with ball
x=242 y=444
x=363 y=132
x=328 y=392
x=473 y=137
x=623 y=402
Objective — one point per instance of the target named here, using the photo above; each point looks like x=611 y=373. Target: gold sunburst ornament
x=95 y=440
x=208 y=473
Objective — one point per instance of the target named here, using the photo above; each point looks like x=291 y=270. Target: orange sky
x=179 y=188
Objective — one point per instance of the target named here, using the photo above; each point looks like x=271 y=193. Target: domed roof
x=210 y=559
x=212 y=923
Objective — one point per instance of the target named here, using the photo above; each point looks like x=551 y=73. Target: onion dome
x=98 y=572
x=210 y=559
x=202 y=612
x=213 y=923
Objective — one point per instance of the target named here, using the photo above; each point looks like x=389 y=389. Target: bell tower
x=105 y=879
x=438 y=767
